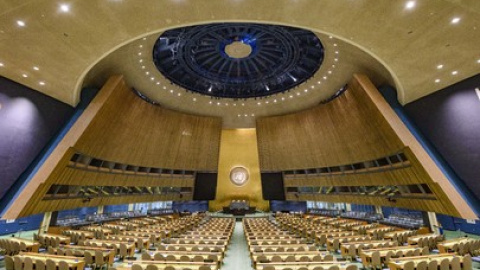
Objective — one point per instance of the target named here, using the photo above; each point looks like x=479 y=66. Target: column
x=100 y=209
x=45 y=223
x=432 y=219
x=378 y=209
x=131 y=207
x=348 y=207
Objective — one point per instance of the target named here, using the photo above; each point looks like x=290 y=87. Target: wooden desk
x=73 y=262
x=88 y=234
x=413 y=240
x=297 y=265
x=32 y=246
x=366 y=254
x=400 y=262
x=63 y=239
x=113 y=245
x=371 y=244
x=108 y=253
x=161 y=265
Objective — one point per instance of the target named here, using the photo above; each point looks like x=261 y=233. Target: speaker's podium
x=239 y=208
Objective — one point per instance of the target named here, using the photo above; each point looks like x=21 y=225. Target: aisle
x=237 y=256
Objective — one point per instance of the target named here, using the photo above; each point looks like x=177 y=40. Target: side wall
x=28 y=120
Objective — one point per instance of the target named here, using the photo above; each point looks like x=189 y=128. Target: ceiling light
x=139 y=53
x=152 y=78
x=306 y=90
x=454 y=72
x=64 y=8
x=336 y=52
x=336 y=59
x=171 y=91
x=218 y=103
x=437 y=80
x=147 y=72
x=243 y=104
x=41 y=83
x=179 y=94
x=24 y=75
x=440 y=66
x=141 y=60
x=253 y=114
x=194 y=99
x=291 y=96
x=274 y=101
x=259 y=103
x=298 y=93
x=334 y=44
x=1 y=64
x=238 y=115
x=141 y=46
x=329 y=72
x=266 y=102
x=210 y=102
x=246 y=115
x=226 y=104
x=36 y=68
x=330 y=37
x=324 y=77
x=21 y=23
x=283 y=98
x=319 y=82
x=234 y=104
x=210 y=89
x=455 y=20
x=410 y=4
x=143 y=67
x=478 y=61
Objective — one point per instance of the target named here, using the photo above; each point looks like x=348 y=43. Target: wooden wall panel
x=118 y=126
x=355 y=127
x=347 y=130
x=129 y=130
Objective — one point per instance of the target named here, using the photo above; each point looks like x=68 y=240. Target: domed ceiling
x=238 y=60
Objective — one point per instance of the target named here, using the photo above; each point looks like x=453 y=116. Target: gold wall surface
x=238 y=147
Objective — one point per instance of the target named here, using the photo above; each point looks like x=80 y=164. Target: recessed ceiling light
x=144 y=38
x=21 y=23
x=141 y=46
x=234 y=104
x=266 y=102
x=171 y=91
x=152 y=78
x=243 y=104
x=165 y=88
x=334 y=44
x=306 y=90
x=259 y=103
x=336 y=52
x=218 y=103
x=226 y=104
x=440 y=66
x=274 y=101
x=1 y=65
x=298 y=93
x=319 y=82
x=283 y=98
x=330 y=37
x=245 y=115
x=238 y=115
x=143 y=67
x=139 y=53
x=210 y=102
x=64 y=8
x=437 y=80
x=36 y=68
x=41 y=83
x=410 y=4
x=454 y=72
x=179 y=94
x=329 y=72
x=455 y=20
x=24 y=75
x=194 y=99
x=478 y=61
x=147 y=72
x=158 y=83
x=324 y=77
x=253 y=114
x=141 y=60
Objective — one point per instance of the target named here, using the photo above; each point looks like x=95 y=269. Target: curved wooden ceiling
x=51 y=49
